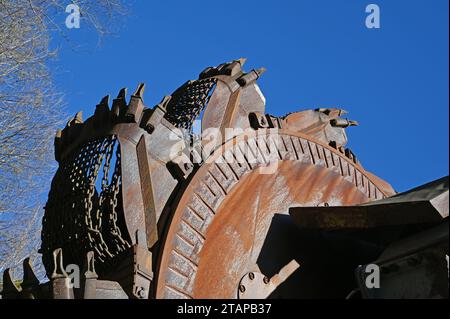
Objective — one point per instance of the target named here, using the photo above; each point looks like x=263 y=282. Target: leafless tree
x=30 y=111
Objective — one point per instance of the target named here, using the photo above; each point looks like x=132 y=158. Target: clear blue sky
x=318 y=53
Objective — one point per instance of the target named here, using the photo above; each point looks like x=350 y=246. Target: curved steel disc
x=233 y=219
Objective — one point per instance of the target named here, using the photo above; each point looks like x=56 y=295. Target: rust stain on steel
x=147 y=192
x=240 y=227
x=133 y=205
x=424 y=205
x=230 y=111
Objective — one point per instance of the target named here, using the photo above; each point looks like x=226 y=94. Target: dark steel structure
x=248 y=205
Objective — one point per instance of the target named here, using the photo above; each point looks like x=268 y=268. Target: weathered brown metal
x=61 y=283
x=255 y=285
x=240 y=195
x=89 y=284
x=425 y=204
x=10 y=290
x=30 y=282
x=168 y=213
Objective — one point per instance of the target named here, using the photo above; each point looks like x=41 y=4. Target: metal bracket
x=255 y=285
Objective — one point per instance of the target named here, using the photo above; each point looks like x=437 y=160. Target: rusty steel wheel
x=229 y=220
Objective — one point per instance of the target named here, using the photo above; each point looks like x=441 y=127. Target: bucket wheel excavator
x=207 y=196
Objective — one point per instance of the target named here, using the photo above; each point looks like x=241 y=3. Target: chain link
x=78 y=216
x=188 y=102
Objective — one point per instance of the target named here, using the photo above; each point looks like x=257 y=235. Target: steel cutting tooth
x=90 y=277
x=10 y=290
x=29 y=276
x=136 y=106
x=101 y=114
x=207 y=72
x=221 y=66
x=140 y=90
x=122 y=93
x=61 y=282
x=231 y=68
x=89 y=267
x=260 y=71
x=58 y=265
x=119 y=103
x=78 y=117
x=30 y=281
x=250 y=77
x=105 y=101
x=242 y=61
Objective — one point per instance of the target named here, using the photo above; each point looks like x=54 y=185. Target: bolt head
x=149 y=128
x=140 y=291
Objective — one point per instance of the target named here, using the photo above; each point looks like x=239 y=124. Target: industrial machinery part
x=411 y=268
x=249 y=206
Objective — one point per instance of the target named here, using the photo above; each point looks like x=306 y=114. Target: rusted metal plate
x=147 y=193
x=424 y=204
x=435 y=192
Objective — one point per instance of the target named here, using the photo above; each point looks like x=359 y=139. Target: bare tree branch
x=31 y=109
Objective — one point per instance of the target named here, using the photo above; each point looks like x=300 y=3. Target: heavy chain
x=115 y=188
x=95 y=237
x=188 y=102
x=79 y=217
